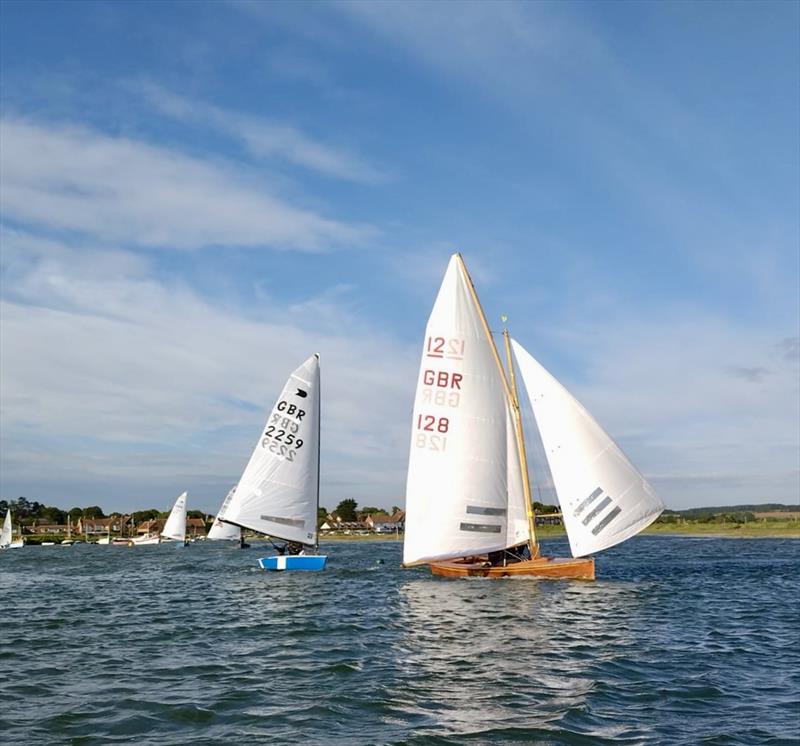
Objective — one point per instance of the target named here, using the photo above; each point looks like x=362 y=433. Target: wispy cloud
x=263 y=138
x=132 y=376
x=131 y=193
x=686 y=393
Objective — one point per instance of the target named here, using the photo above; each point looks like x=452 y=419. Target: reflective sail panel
x=5 y=534
x=458 y=473
x=603 y=498
x=220 y=531
x=175 y=527
x=278 y=491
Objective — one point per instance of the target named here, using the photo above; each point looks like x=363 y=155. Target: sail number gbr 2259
x=280 y=437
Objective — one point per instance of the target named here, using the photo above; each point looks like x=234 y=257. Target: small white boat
x=48 y=544
x=104 y=540
x=278 y=492
x=6 y=542
x=144 y=541
x=67 y=542
x=175 y=527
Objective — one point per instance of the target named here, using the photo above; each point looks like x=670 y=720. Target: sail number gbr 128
x=280 y=437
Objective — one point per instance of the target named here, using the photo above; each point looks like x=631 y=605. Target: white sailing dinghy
x=221 y=531
x=278 y=493
x=175 y=527
x=468 y=499
x=7 y=532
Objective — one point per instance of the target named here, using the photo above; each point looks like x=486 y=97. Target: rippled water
x=678 y=641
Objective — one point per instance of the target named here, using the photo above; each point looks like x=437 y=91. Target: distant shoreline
x=754 y=530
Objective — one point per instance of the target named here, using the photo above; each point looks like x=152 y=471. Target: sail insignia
x=278 y=492
x=486 y=528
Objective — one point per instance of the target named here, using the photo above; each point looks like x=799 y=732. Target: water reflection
x=482 y=655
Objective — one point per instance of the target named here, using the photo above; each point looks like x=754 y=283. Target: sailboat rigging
x=469 y=508
x=278 y=492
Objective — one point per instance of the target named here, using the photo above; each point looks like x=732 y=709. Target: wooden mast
x=512 y=398
x=523 y=457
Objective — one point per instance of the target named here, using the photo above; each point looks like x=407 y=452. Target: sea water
x=679 y=641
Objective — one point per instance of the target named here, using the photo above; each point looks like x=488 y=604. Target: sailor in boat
x=510 y=555
x=292 y=548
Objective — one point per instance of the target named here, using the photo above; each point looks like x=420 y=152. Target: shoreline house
x=45 y=528
x=153 y=526
x=195 y=527
x=334 y=523
x=548 y=519
x=382 y=523
x=98 y=526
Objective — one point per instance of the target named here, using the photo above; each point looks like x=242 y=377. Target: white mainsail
x=175 y=527
x=603 y=498
x=463 y=469
x=278 y=492
x=5 y=534
x=220 y=531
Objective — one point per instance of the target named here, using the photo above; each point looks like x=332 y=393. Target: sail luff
x=486 y=328
x=523 y=456
x=319 y=453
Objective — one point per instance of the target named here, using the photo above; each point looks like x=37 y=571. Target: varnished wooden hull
x=580 y=568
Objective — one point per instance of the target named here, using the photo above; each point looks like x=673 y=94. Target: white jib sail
x=457 y=492
x=175 y=527
x=220 y=531
x=278 y=493
x=603 y=498
x=5 y=535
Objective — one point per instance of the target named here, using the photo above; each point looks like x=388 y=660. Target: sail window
x=485 y=528
x=479 y=510
x=602 y=505
x=606 y=520
x=588 y=501
x=297 y=522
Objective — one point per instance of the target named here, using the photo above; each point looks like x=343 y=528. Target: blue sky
x=196 y=196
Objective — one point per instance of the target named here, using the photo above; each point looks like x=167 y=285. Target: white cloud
x=131 y=193
x=115 y=376
x=115 y=380
x=669 y=388
x=263 y=138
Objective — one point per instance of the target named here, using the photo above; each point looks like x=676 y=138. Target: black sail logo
x=302 y=394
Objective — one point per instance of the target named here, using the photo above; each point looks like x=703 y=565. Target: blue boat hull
x=303 y=562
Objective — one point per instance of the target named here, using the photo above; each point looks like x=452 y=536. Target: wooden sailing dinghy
x=468 y=498
x=278 y=493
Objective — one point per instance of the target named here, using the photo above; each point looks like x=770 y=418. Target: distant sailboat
x=468 y=500
x=278 y=493
x=175 y=527
x=221 y=531
x=6 y=534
